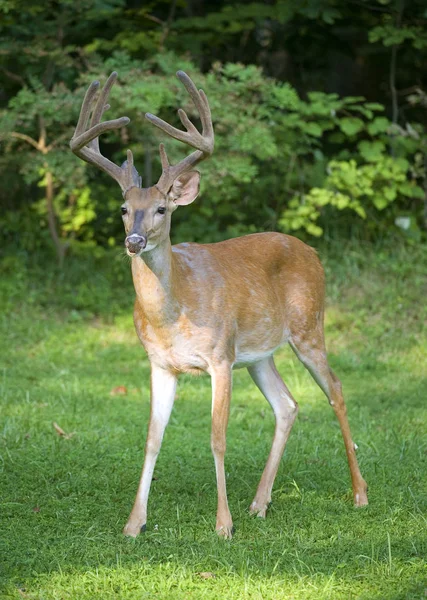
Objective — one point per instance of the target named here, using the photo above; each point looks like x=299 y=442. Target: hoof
x=361 y=497
x=225 y=531
x=133 y=529
x=259 y=510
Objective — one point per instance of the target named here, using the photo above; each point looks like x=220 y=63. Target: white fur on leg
x=163 y=387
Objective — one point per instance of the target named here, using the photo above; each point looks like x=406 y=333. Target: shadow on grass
x=65 y=501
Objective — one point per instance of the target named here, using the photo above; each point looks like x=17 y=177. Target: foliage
x=286 y=155
x=375 y=185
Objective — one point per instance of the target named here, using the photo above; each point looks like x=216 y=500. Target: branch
x=394 y=101
x=26 y=138
x=41 y=144
x=167 y=26
x=154 y=19
x=425 y=191
x=377 y=8
x=394 y=104
x=42 y=136
x=13 y=76
x=59 y=139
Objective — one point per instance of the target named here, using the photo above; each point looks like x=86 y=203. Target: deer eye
x=161 y=210
x=124 y=210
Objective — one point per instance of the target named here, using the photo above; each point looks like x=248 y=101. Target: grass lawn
x=64 y=501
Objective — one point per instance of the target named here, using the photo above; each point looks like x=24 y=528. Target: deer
x=212 y=308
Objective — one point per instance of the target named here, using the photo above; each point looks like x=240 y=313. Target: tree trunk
x=60 y=247
x=425 y=190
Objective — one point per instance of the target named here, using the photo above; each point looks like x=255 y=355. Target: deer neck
x=152 y=274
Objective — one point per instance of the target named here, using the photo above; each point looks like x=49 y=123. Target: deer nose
x=134 y=243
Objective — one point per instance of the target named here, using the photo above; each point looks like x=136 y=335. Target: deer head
x=146 y=212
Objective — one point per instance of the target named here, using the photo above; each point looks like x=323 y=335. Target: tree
x=285 y=154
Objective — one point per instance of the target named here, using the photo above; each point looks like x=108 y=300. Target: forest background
x=319 y=108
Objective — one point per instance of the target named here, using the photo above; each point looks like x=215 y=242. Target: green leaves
x=301 y=161
x=284 y=96
x=351 y=125
x=313 y=129
x=390 y=35
x=371 y=151
x=78 y=214
x=269 y=143
x=378 y=125
x=350 y=186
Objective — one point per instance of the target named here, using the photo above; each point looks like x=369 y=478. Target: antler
x=203 y=142
x=85 y=141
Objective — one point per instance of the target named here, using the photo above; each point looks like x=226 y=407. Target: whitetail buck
x=213 y=307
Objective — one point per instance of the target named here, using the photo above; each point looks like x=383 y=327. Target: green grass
x=64 y=502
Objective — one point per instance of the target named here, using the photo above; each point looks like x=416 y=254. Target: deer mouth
x=133 y=253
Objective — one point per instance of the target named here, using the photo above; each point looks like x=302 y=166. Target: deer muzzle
x=135 y=243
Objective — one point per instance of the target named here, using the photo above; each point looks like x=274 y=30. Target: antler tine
x=202 y=142
x=101 y=107
x=207 y=117
x=169 y=129
x=163 y=157
x=200 y=101
x=86 y=107
x=85 y=141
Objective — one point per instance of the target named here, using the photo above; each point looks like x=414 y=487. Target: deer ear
x=185 y=188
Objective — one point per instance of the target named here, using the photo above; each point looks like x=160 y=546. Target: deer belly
x=244 y=358
x=258 y=345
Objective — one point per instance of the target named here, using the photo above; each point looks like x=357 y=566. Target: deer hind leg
x=311 y=351
x=268 y=380
x=163 y=387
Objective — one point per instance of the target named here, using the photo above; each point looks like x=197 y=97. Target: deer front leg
x=221 y=394
x=163 y=386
